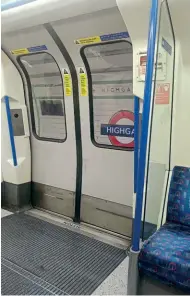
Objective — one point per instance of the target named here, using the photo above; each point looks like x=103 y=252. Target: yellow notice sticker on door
x=88 y=40
x=83 y=82
x=20 y=51
x=67 y=83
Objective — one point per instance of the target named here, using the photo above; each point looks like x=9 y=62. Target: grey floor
x=114 y=284
x=5 y=213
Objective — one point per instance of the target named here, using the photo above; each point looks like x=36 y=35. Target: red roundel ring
x=115 y=118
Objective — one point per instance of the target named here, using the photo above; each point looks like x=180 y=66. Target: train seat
x=166 y=254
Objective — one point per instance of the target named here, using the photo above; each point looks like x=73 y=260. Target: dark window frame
x=29 y=85
x=90 y=94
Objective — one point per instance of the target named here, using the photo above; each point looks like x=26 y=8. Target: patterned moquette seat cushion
x=166 y=254
x=178 y=210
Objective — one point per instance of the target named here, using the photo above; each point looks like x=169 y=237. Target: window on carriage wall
x=46 y=96
x=110 y=77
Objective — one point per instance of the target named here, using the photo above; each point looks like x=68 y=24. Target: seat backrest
x=178 y=210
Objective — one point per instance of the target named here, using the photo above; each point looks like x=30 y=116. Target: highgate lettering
x=117 y=130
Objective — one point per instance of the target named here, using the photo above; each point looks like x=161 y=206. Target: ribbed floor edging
x=59 y=261
x=33 y=278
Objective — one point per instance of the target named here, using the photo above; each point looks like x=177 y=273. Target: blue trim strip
x=145 y=124
x=11 y=133
x=136 y=140
x=13 y=4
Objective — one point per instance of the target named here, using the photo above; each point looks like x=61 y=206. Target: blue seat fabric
x=166 y=254
x=178 y=210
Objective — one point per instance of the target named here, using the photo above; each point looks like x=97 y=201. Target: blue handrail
x=12 y=4
x=136 y=140
x=11 y=133
x=145 y=124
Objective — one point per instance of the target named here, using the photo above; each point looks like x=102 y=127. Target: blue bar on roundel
x=117 y=130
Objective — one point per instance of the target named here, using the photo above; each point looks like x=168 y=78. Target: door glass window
x=110 y=76
x=46 y=96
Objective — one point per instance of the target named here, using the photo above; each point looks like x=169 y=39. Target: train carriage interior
x=95 y=143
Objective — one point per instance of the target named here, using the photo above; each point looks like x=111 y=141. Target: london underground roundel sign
x=120 y=129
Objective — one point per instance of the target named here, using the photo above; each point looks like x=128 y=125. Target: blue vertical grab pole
x=136 y=141
x=11 y=133
x=145 y=125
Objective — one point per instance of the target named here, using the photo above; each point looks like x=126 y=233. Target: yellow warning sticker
x=20 y=51
x=88 y=40
x=29 y=49
x=83 y=82
x=67 y=83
